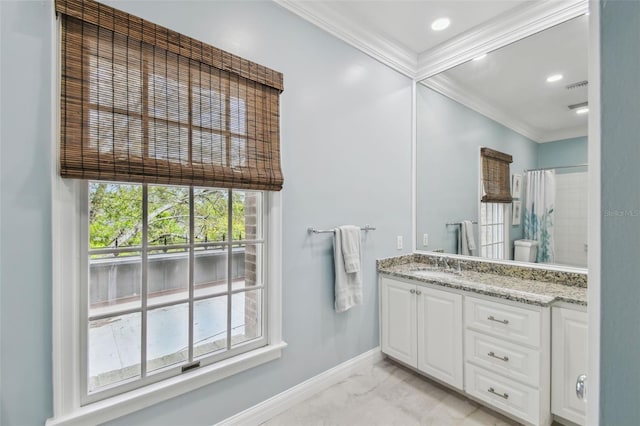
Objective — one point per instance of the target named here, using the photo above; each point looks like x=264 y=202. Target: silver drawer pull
x=501 y=395
x=412 y=291
x=492 y=318
x=501 y=358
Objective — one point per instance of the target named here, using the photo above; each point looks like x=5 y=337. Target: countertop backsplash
x=512 y=270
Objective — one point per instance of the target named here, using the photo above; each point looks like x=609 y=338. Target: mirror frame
x=485 y=39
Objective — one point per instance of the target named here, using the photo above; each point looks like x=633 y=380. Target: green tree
x=115 y=215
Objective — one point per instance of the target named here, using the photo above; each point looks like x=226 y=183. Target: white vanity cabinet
x=569 y=360
x=496 y=351
x=398 y=323
x=440 y=335
x=422 y=327
x=507 y=357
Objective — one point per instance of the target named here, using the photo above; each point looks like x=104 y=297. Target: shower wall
x=570 y=227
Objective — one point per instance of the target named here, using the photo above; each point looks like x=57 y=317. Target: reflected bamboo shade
x=141 y=103
x=495 y=176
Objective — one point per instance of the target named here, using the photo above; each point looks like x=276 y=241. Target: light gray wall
x=25 y=213
x=346 y=150
x=449 y=137
x=620 y=293
x=565 y=152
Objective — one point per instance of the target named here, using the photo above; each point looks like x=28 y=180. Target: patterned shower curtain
x=539 y=198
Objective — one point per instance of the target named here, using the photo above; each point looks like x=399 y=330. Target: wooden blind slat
x=134 y=27
x=141 y=103
x=495 y=176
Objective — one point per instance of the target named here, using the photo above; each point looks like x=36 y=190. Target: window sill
x=117 y=406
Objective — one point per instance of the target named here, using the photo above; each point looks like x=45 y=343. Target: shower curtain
x=539 y=198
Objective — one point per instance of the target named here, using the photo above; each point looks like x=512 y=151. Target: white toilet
x=525 y=250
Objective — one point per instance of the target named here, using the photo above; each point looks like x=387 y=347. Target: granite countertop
x=533 y=292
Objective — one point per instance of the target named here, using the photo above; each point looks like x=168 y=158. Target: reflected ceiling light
x=582 y=110
x=479 y=58
x=554 y=77
x=440 y=24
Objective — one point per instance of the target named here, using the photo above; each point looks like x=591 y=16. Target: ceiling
x=408 y=23
x=398 y=33
x=511 y=82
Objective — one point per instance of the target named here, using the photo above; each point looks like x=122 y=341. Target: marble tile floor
x=387 y=393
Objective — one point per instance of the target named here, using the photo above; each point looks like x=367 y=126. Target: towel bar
x=311 y=230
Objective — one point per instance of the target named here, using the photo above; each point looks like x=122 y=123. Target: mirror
x=503 y=101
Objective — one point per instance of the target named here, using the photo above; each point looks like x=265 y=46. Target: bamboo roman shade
x=142 y=103
x=495 y=176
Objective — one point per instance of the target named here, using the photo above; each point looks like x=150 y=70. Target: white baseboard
x=277 y=404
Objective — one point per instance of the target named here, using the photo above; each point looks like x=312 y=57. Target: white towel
x=350 y=241
x=468 y=243
x=348 y=285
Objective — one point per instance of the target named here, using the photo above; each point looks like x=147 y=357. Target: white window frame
x=506 y=221
x=167 y=371
x=68 y=326
x=67 y=259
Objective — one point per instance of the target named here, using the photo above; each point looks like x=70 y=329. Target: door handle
x=581 y=391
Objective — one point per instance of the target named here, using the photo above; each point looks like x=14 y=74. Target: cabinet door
x=568 y=361
x=398 y=320
x=440 y=335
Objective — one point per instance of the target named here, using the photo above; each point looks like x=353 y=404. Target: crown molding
x=450 y=89
x=498 y=32
x=558 y=135
x=386 y=51
x=504 y=29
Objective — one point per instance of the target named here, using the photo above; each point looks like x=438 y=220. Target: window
x=167 y=222
x=496 y=177
x=493 y=230
x=495 y=197
x=141 y=103
x=175 y=281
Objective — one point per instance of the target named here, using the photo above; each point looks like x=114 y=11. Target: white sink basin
x=435 y=273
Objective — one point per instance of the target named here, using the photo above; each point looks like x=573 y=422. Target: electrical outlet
x=399 y=242
x=425 y=240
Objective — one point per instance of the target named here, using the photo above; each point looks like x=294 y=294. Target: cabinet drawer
x=507 y=395
x=514 y=361
x=517 y=324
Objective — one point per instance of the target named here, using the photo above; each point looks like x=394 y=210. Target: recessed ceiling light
x=440 y=24
x=582 y=110
x=479 y=58
x=554 y=77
